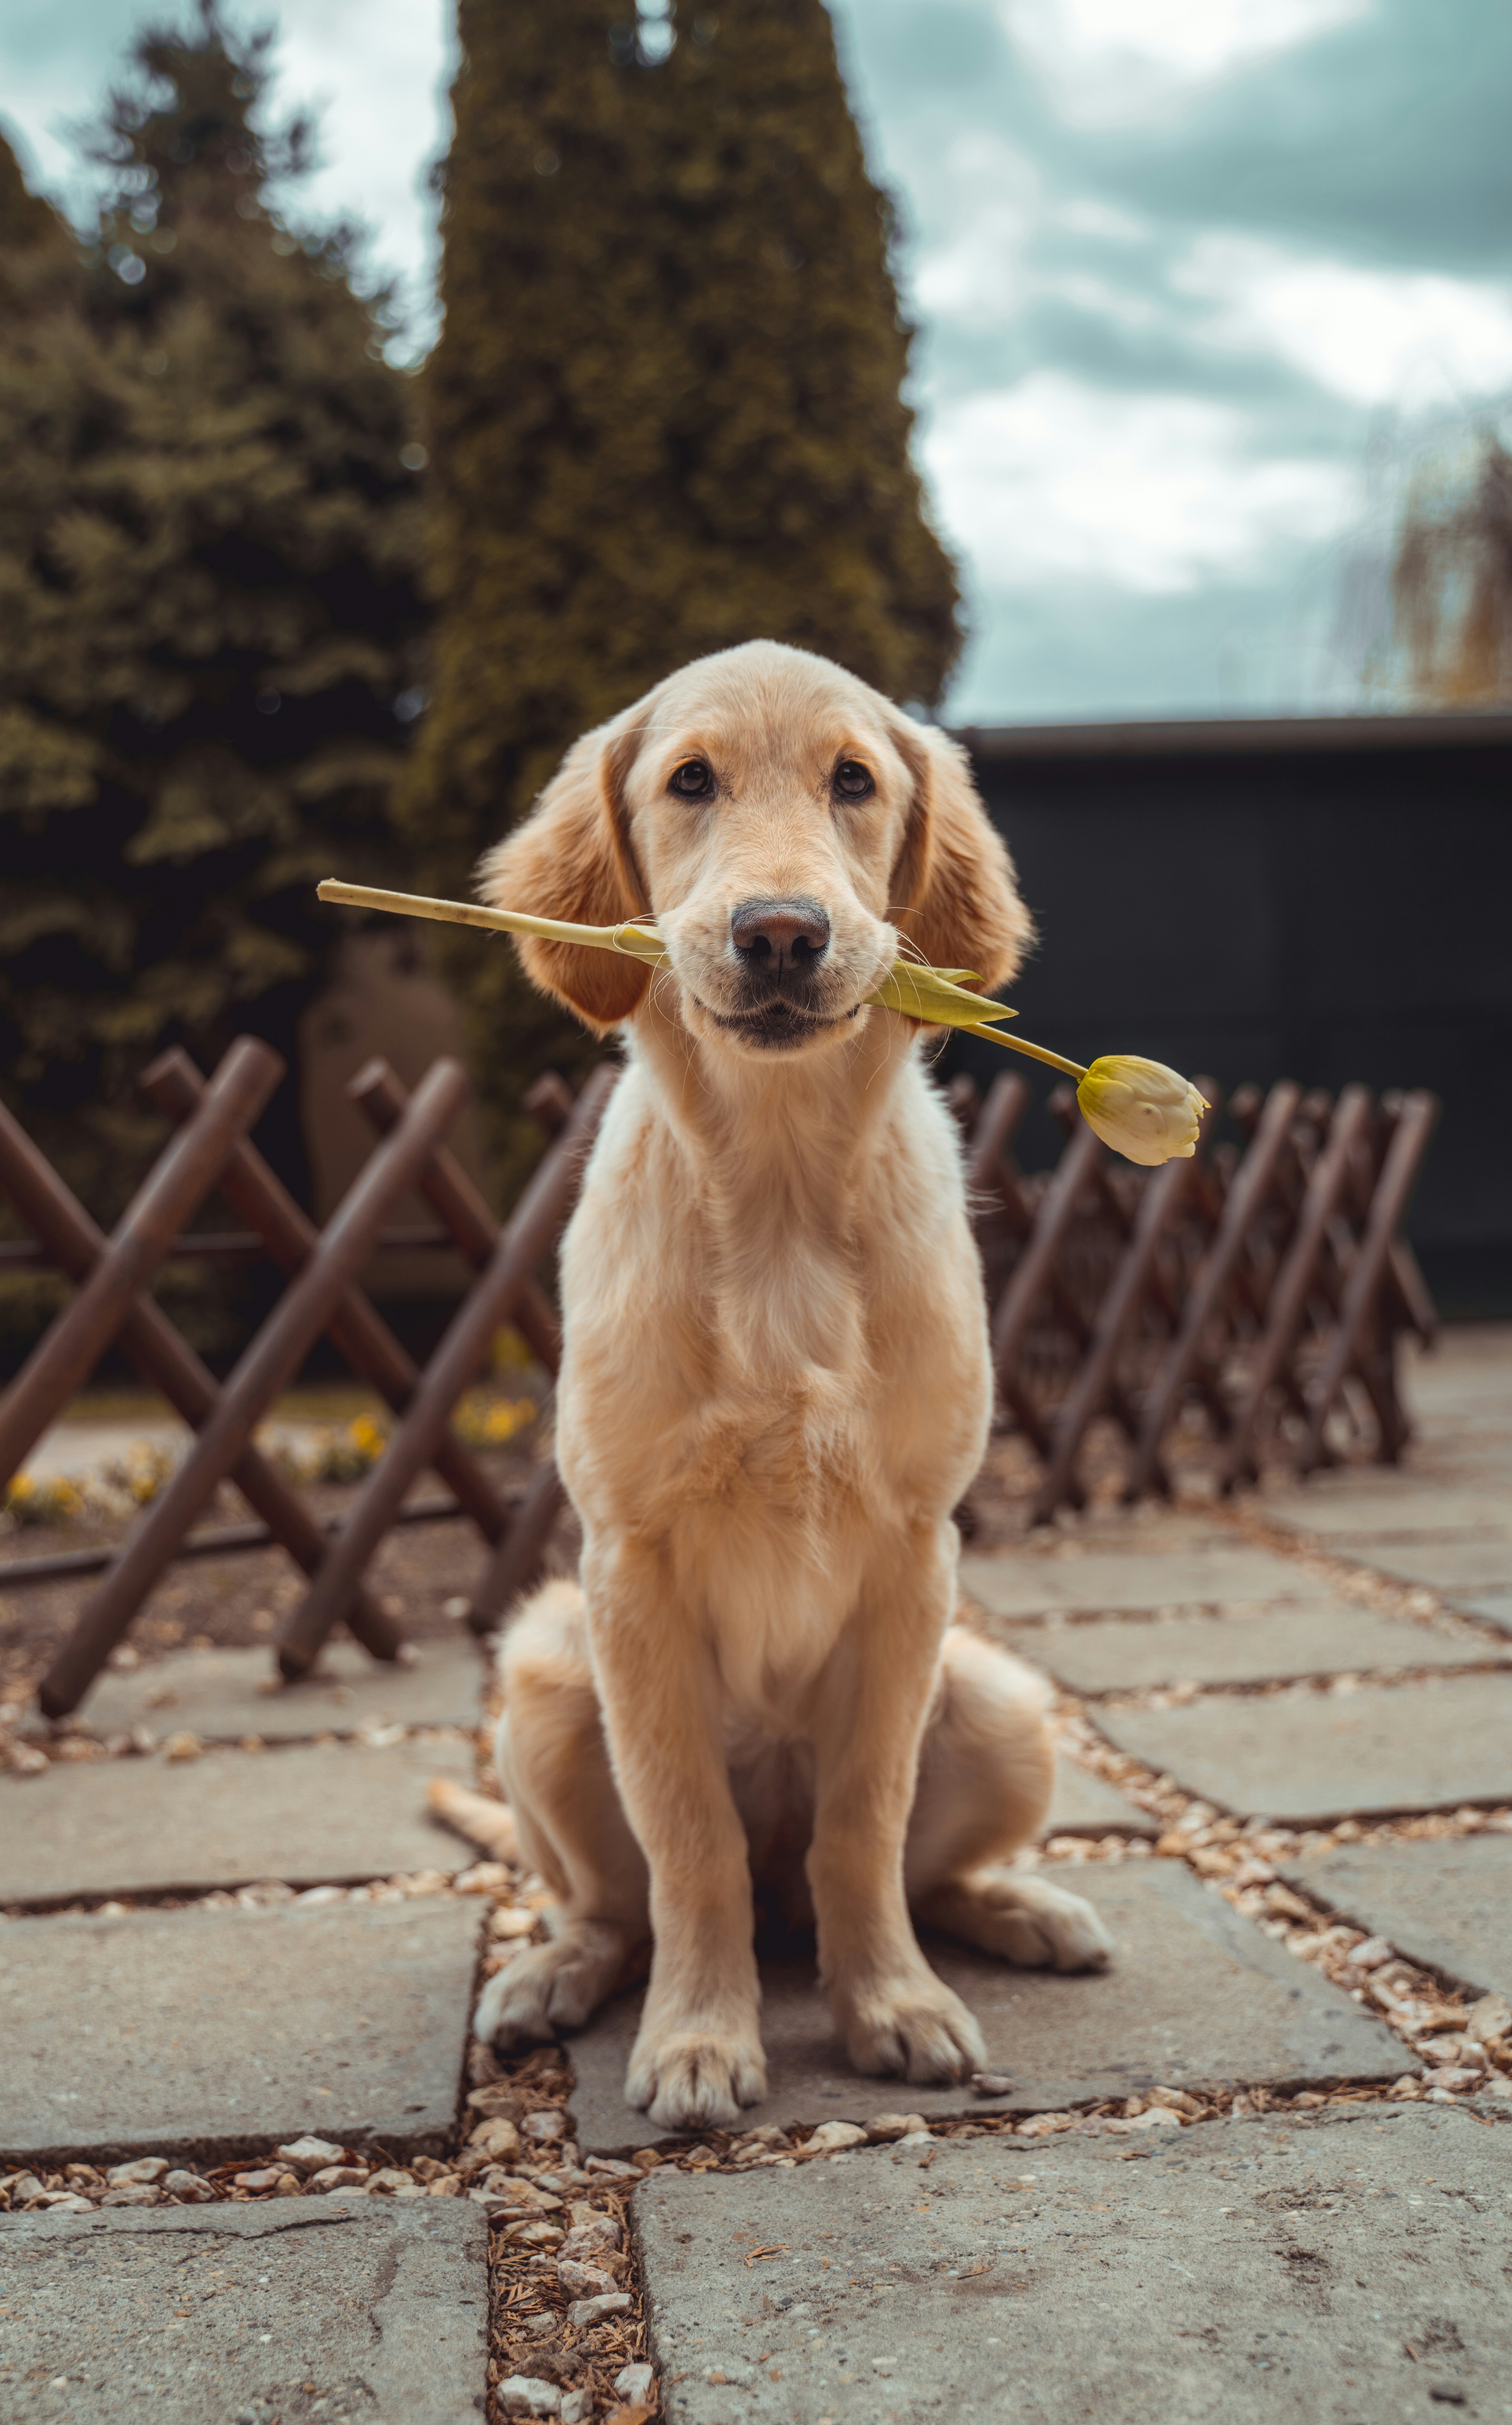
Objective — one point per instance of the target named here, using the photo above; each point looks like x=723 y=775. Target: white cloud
x=1053 y=480
x=1111 y=59
x=1408 y=338
x=377 y=72
x=990 y=198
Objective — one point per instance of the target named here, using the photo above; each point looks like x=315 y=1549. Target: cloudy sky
x=1198 y=282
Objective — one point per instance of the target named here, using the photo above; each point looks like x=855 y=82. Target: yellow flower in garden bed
x=1140 y=1108
x=484 y=1422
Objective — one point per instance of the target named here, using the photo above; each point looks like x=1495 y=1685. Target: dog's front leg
x=698 y=2057
x=872 y=1707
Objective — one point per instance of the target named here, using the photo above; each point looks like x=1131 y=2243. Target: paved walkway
x=253 y=2170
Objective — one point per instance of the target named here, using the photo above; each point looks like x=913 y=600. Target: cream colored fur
x=775 y=1388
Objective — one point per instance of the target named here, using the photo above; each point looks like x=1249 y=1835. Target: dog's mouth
x=776 y=1026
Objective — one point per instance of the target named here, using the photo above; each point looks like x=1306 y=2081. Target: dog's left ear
x=572 y=858
x=953 y=893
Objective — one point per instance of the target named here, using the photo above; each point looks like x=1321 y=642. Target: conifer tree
x=208 y=607
x=665 y=412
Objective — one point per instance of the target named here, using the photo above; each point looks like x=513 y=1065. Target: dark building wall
x=1325 y=900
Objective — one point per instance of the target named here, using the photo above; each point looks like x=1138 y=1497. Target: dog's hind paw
x=695 y=2080
x=918 y=2029
x=552 y=1988
x=1022 y=1919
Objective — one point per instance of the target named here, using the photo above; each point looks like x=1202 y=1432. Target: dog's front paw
x=552 y=1988
x=691 y=2079
x=917 y=2028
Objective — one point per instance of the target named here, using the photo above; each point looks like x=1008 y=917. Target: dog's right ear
x=572 y=858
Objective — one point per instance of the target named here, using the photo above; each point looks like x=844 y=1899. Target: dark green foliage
x=207 y=607
x=665 y=412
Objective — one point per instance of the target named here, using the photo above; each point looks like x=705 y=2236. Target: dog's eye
x=852 y=781
x=693 y=780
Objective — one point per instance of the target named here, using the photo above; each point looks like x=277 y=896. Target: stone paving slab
x=1305 y=1758
x=1324 y=1638
x=1030 y=1583
x=1319 y=2273
x=1390 y=1507
x=1084 y=1803
x=349 y=2311
x=224 y=1695
x=1447 y=1904
x=1197 y=1997
x=1494 y=1607
x=1446 y=1564
x=333 y=1816
x=215 y=2033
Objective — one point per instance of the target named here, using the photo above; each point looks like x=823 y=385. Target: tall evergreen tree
x=665 y=411
x=208 y=607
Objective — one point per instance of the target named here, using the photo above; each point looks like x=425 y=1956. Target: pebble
x=26 y=1761
x=1042 y=2125
x=594 y=2231
x=338 y=2177
x=535 y=2235
x=495 y=2098
x=1371 y=1954
x=991 y=2083
x=1489 y=2016
x=910 y=2143
x=65 y=2202
x=188 y=2187
x=23 y=2188
x=577 y=2408
x=145 y=2168
x=182 y=1746
x=538 y=2325
x=583 y=2312
x=494 y=2141
x=545 y=2127
x=831 y=2135
x=582 y=2281
x=388 y=2179
x=133 y=2193
x=310 y=2154
x=267 y=2176
x=512 y=1922
x=634 y=2383
x=611 y=2167
x=526 y=2395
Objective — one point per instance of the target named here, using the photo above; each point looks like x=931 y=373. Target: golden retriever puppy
x=775 y=1388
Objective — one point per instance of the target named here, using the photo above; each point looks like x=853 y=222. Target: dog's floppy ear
x=953 y=892
x=572 y=858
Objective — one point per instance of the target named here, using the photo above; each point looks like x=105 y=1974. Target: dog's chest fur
x=803 y=1376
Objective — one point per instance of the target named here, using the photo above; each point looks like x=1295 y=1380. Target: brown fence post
x=1358 y=1310
x=1163 y=1199
x=529 y=1230
x=61 y=1362
x=457 y=1202
x=1248 y=1192
x=164 y=1360
x=1297 y=1276
x=355 y=1330
x=515 y=1563
x=266 y=1367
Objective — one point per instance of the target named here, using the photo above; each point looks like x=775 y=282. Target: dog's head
x=789 y=830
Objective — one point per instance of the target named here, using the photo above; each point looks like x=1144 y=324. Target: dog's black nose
x=781 y=938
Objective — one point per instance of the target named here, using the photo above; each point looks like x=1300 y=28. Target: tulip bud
x=1144 y=1111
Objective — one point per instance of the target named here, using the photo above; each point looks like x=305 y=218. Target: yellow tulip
x=1144 y=1111
x=1140 y=1108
